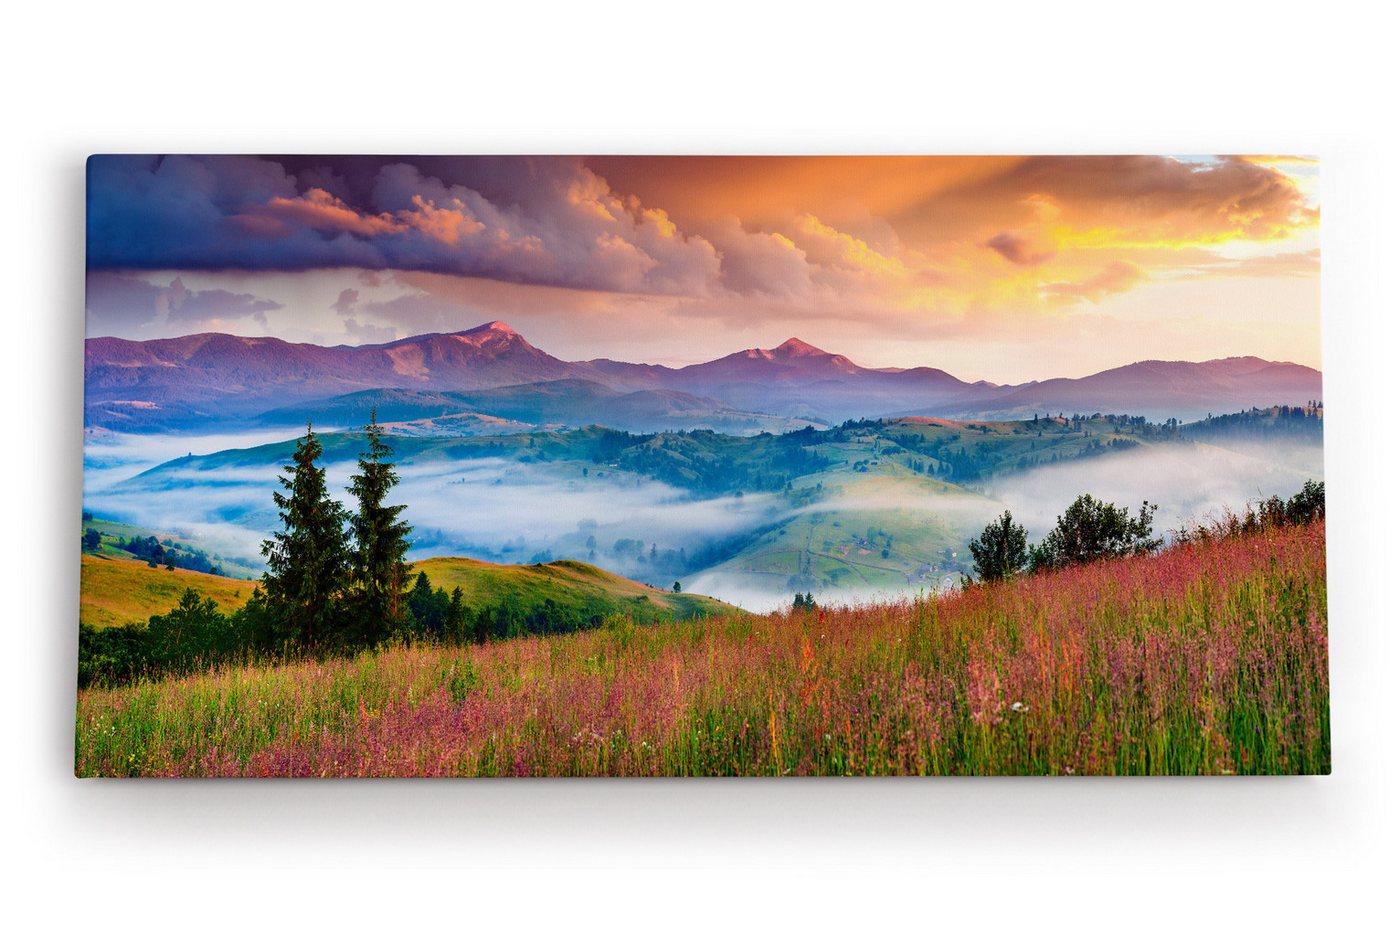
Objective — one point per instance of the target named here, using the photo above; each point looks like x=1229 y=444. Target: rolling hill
x=128 y=591
x=571 y=401
x=123 y=591
x=575 y=585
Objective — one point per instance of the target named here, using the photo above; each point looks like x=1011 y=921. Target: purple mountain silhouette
x=194 y=379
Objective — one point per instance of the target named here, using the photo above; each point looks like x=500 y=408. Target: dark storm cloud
x=543 y=221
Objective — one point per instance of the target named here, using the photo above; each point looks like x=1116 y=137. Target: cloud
x=1019 y=249
x=1290 y=264
x=1127 y=199
x=133 y=303
x=761 y=263
x=934 y=246
x=345 y=304
x=553 y=222
x=832 y=247
x=116 y=302
x=210 y=305
x=1117 y=277
x=319 y=210
x=357 y=331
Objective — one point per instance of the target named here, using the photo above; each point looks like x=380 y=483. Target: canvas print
x=465 y=466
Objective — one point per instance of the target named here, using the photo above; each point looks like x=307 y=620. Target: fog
x=1186 y=482
x=755 y=592
x=112 y=457
x=505 y=511
x=490 y=508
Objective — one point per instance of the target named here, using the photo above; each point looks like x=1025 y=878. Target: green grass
x=112 y=530
x=119 y=589
x=829 y=544
x=571 y=584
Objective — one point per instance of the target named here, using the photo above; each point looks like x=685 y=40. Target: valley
x=863 y=510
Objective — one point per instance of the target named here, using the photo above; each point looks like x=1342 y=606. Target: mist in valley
x=503 y=510
x=1187 y=481
x=489 y=508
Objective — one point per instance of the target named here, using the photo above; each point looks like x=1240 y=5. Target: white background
x=869 y=77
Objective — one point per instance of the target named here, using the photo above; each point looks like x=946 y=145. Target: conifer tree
x=379 y=574
x=457 y=625
x=307 y=561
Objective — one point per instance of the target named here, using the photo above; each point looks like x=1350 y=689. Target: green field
x=118 y=590
x=885 y=528
x=570 y=584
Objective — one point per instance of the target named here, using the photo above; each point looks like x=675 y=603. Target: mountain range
x=492 y=372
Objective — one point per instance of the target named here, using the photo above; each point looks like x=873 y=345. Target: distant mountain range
x=493 y=375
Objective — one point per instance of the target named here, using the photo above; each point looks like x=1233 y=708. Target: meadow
x=117 y=591
x=1207 y=658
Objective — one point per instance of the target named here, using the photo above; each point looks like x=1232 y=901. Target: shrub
x=1000 y=552
x=1307 y=506
x=1092 y=529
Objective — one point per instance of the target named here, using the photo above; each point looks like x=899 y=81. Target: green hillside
x=575 y=586
x=119 y=591
x=871 y=505
x=126 y=541
x=706 y=462
x=886 y=529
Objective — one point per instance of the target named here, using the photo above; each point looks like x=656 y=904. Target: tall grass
x=1209 y=658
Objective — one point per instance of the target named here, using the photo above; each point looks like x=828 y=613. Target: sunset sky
x=1005 y=268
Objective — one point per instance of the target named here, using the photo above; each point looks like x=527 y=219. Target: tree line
x=1090 y=530
x=155 y=552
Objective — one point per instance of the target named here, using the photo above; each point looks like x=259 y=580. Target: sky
x=1005 y=268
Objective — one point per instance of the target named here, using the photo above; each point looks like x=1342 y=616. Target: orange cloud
x=322 y=211
x=1126 y=199
x=1020 y=249
x=1291 y=264
x=1119 y=276
x=769 y=190
x=445 y=225
x=833 y=247
x=976 y=242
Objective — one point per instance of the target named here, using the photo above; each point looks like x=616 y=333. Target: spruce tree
x=379 y=574
x=307 y=561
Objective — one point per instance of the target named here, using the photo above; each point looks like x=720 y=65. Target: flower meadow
x=1207 y=658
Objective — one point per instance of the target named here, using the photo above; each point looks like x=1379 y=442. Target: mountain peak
x=796 y=347
x=495 y=334
x=497 y=327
